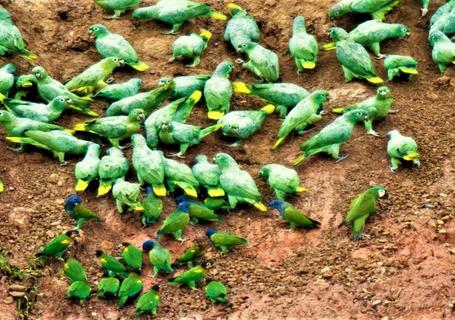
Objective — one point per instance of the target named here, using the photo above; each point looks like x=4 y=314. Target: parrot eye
x=95 y=29
x=115 y=59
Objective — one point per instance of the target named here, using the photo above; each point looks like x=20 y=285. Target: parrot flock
x=144 y=121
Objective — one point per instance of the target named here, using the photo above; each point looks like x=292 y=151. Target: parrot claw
x=341 y=158
x=171 y=60
x=373 y=133
x=126 y=146
x=393 y=169
x=63 y=163
x=169 y=32
x=18 y=149
x=110 y=80
x=394 y=111
x=178 y=155
x=323 y=112
x=380 y=56
x=302 y=132
x=424 y=11
x=233 y=145
x=239 y=61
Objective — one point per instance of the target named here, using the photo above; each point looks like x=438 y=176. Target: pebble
x=376 y=303
x=442 y=231
x=17 y=287
x=326 y=272
x=440 y=222
x=16 y=294
x=8 y=300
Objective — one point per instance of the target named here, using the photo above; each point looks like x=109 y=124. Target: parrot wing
x=239 y=183
x=355 y=57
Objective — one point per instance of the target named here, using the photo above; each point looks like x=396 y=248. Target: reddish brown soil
x=403 y=268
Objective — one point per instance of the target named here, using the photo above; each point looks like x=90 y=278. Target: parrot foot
x=373 y=133
x=424 y=11
x=171 y=60
x=126 y=146
x=110 y=80
x=170 y=32
x=380 y=56
x=394 y=111
x=110 y=17
x=323 y=112
x=178 y=155
x=302 y=132
x=393 y=169
x=63 y=163
x=239 y=61
x=234 y=145
x=341 y=158
x=18 y=149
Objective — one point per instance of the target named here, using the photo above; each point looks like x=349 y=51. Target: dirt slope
x=403 y=268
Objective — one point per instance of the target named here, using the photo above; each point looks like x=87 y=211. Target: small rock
x=17 y=287
x=432 y=96
x=376 y=303
x=442 y=231
x=326 y=272
x=8 y=300
x=16 y=294
x=440 y=222
x=445 y=218
x=443 y=80
x=53 y=178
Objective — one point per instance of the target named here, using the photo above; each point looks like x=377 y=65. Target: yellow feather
x=102 y=190
x=215 y=115
x=233 y=6
x=298 y=160
x=329 y=46
x=277 y=143
x=240 y=87
x=375 y=80
x=260 y=206
x=190 y=191
x=268 y=108
x=206 y=34
x=81 y=185
x=217 y=16
x=160 y=191
x=216 y=192
x=408 y=70
x=338 y=110
x=308 y=64
x=196 y=96
x=411 y=156
x=80 y=127
x=301 y=189
x=140 y=66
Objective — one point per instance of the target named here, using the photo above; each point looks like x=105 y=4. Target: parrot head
x=248 y=46
x=298 y=24
x=384 y=92
x=380 y=191
x=25 y=81
x=184 y=206
x=61 y=102
x=224 y=68
x=277 y=204
x=72 y=201
x=201 y=158
x=137 y=139
x=437 y=36
x=5 y=116
x=136 y=115
x=166 y=127
x=123 y=245
x=181 y=199
x=97 y=30
x=391 y=133
x=73 y=234
x=232 y=128
x=338 y=10
x=148 y=245
x=402 y=30
x=264 y=173
x=356 y=115
x=39 y=72
x=4 y=14
x=338 y=34
x=223 y=160
x=320 y=96
x=163 y=81
x=210 y=231
x=233 y=8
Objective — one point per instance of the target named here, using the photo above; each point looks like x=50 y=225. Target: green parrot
x=2 y=186
x=179 y=174
x=284 y=96
x=443 y=20
x=241 y=28
x=76 y=210
x=24 y=84
x=93 y=78
x=148 y=302
x=11 y=40
x=401 y=148
x=191 y=47
x=59 y=142
x=303 y=46
x=192 y=254
x=224 y=240
x=216 y=291
x=115 y=128
x=243 y=124
x=443 y=52
x=108 y=287
x=293 y=216
x=159 y=256
x=238 y=184
x=176 y=12
x=110 y=44
x=185 y=85
x=175 y=223
x=147 y=101
x=306 y=112
x=218 y=91
x=49 y=89
x=196 y=210
x=178 y=110
x=57 y=246
x=86 y=170
x=153 y=207
x=111 y=265
x=127 y=193
x=208 y=176
x=7 y=78
x=332 y=136
x=397 y=65
x=129 y=288
x=118 y=7
x=262 y=62
x=217 y=203
x=74 y=270
x=36 y=111
x=149 y=165
x=425 y=5
x=360 y=209
x=376 y=8
x=284 y=181
x=353 y=57
x=190 y=277
x=112 y=166
x=16 y=126
x=79 y=290
x=378 y=107
x=119 y=91
x=371 y=33
x=131 y=256
x=185 y=135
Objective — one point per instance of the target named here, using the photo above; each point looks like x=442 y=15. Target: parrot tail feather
x=278 y=142
x=375 y=80
x=338 y=110
x=308 y=64
x=139 y=66
x=206 y=131
x=81 y=185
x=138 y=208
x=329 y=46
x=2 y=97
x=195 y=96
x=233 y=6
x=160 y=190
x=411 y=156
x=298 y=160
x=408 y=70
x=240 y=87
x=28 y=55
x=2 y=186
x=260 y=206
x=90 y=113
x=215 y=115
x=190 y=191
x=301 y=189
x=80 y=127
x=217 y=15
x=104 y=188
x=70 y=131
x=216 y=192
x=206 y=34
x=268 y=108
